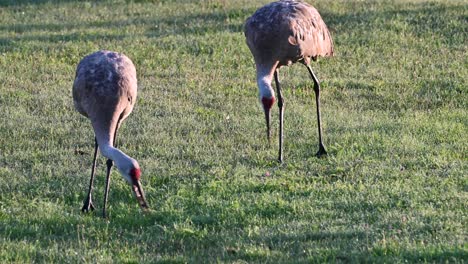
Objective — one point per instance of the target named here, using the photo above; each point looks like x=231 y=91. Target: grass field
x=394 y=106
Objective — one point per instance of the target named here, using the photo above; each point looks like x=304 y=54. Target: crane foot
x=321 y=152
x=87 y=206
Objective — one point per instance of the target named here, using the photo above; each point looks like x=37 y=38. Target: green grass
x=394 y=106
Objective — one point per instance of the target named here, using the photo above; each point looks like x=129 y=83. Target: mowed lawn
x=394 y=108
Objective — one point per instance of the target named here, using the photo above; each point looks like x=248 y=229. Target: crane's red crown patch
x=268 y=102
x=135 y=174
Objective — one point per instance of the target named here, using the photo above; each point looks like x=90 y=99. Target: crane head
x=132 y=175
x=267 y=103
x=137 y=189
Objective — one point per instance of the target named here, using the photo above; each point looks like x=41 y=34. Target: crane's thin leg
x=281 y=114
x=88 y=203
x=321 y=151
x=109 y=167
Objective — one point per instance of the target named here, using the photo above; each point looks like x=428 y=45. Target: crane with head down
x=279 y=34
x=105 y=91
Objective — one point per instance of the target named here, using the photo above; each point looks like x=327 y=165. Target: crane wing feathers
x=105 y=83
x=288 y=31
x=309 y=31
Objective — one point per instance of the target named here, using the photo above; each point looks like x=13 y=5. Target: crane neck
x=264 y=78
x=115 y=154
x=121 y=160
x=105 y=137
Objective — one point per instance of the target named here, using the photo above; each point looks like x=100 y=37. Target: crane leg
x=88 y=203
x=106 y=194
x=109 y=167
x=321 y=151
x=281 y=115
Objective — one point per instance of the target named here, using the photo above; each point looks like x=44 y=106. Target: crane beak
x=267 y=103
x=267 y=119
x=140 y=195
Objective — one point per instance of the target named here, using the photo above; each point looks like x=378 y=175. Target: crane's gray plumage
x=279 y=34
x=105 y=91
x=288 y=31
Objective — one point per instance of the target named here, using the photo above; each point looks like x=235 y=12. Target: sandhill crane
x=279 y=34
x=105 y=91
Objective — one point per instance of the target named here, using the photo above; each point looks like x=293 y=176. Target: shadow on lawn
x=44 y=234
x=163 y=239
x=6 y=3
x=197 y=24
x=217 y=236
x=421 y=20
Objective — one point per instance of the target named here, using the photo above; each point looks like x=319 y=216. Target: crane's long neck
x=266 y=92
x=264 y=78
x=105 y=136
x=115 y=154
x=265 y=73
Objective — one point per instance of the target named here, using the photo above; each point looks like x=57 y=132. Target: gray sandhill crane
x=279 y=34
x=105 y=91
